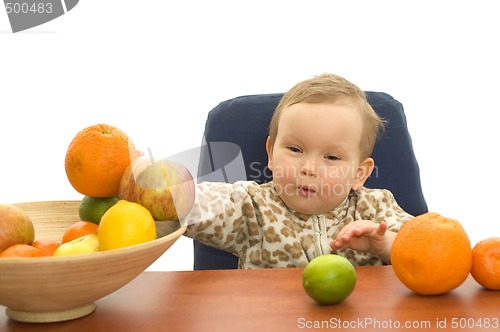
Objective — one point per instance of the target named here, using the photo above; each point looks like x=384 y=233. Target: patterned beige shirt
x=252 y=222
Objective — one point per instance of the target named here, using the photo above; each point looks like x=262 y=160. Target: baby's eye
x=293 y=149
x=332 y=158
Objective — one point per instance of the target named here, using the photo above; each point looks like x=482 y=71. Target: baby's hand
x=365 y=235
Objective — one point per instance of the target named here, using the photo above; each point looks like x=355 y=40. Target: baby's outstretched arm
x=365 y=235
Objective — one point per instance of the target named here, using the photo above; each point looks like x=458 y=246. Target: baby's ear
x=364 y=171
x=269 y=149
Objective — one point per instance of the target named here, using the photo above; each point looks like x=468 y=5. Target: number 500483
x=26 y=8
x=471 y=323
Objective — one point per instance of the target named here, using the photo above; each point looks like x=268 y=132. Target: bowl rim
x=74 y=202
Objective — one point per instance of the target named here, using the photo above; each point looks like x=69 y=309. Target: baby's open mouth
x=307 y=190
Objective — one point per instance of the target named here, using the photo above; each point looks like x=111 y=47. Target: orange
x=486 y=263
x=47 y=248
x=20 y=251
x=126 y=224
x=79 y=229
x=96 y=158
x=329 y=279
x=431 y=254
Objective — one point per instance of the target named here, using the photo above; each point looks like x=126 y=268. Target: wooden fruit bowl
x=51 y=289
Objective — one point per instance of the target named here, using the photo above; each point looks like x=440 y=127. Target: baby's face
x=315 y=158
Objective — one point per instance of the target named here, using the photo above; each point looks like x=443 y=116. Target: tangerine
x=20 y=251
x=486 y=263
x=96 y=158
x=431 y=254
x=79 y=229
x=47 y=248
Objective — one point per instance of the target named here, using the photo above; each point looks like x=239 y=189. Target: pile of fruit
x=124 y=193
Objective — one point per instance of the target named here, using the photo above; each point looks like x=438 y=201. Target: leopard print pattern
x=252 y=222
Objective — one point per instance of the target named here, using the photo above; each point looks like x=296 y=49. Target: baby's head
x=320 y=141
x=330 y=88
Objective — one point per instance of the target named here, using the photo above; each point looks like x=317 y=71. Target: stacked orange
x=96 y=158
x=95 y=161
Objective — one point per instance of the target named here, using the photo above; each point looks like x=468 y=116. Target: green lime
x=92 y=208
x=329 y=279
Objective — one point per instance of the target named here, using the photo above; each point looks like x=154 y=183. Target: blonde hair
x=332 y=88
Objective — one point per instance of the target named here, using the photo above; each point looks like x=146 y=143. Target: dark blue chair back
x=244 y=121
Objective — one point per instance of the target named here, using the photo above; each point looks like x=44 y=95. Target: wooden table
x=273 y=300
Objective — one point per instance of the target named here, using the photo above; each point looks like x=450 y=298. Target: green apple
x=15 y=227
x=83 y=245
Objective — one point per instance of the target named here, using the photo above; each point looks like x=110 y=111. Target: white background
x=155 y=68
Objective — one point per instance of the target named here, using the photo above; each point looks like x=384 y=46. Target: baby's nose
x=309 y=168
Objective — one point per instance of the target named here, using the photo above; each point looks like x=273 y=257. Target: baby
x=320 y=140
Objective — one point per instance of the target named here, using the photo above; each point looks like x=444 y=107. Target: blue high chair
x=234 y=149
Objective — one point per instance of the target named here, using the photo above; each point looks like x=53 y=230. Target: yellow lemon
x=125 y=224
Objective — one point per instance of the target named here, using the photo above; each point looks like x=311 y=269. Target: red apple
x=166 y=188
x=15 y=227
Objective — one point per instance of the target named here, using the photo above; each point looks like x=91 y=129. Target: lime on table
x=329 y=279
x=93 y=208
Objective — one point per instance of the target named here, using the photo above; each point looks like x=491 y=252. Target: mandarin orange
x=79 y=229
x=431 y=254
x=20 y=251
x=486 y=263
x=47 y=248
x=96 y=158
